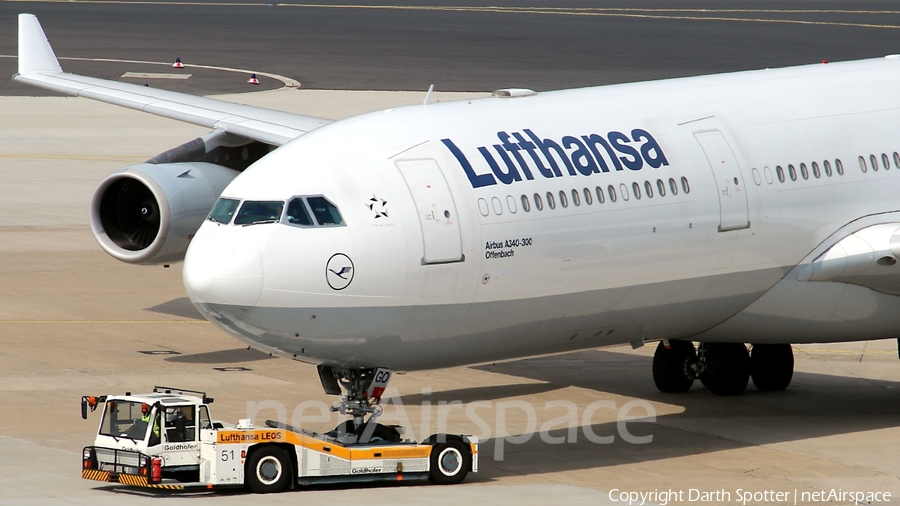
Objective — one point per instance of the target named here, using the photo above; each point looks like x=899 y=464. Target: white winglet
x=35 y=53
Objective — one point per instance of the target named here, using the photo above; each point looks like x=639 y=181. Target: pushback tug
x=167 y=440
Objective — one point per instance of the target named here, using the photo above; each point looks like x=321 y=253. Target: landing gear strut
x=363 y=395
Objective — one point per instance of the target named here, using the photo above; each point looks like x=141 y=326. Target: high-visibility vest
x=146 y=419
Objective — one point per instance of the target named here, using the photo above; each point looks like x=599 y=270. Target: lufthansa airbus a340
x=752 y=208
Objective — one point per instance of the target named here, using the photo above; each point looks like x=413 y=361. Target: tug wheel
x=268 y=470
x=450 y=462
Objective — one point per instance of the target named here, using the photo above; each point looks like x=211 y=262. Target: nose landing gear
x=723 y=368
x=364 y=388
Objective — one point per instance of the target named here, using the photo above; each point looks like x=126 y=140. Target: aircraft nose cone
x=221 y=270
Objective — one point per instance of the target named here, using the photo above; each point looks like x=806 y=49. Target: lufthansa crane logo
x=339 y=271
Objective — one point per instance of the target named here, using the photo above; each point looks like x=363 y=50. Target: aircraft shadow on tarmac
x=815 y=405
x=181 y=306
x=235 y=356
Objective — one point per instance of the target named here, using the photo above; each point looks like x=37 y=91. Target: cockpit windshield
x=223 y=211
x=297 y=213
x=314 y=211
x=126 y=419
x=255 y=212
x=326 y=213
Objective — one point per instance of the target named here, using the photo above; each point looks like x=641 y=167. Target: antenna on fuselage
x=428 y=95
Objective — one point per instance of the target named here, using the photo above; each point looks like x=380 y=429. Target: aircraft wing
x=39 y=67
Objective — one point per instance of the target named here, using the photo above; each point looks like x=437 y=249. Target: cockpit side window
x=326 y=213
x=297 y=213
x=255 y=212
x=223 y=211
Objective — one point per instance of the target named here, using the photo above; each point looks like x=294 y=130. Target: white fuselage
x=450 y=260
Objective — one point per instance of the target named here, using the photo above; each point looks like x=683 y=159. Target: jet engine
x=148 y=213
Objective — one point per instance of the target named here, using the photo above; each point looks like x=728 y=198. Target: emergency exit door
x=436 y=210
x=733 y=212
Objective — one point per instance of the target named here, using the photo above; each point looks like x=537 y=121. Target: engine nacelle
x=148 y=213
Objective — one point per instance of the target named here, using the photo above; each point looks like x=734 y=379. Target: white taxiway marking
x=154 y=75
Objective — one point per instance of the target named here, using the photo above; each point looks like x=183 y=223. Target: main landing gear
x=723 y=368
x=363 y=395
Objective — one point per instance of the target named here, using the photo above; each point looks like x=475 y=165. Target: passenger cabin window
x=325 y=212
x=827 y=165
x=297 y=213
x=223 y=211
x=525 y=204
x=862 y=164
x=255 y=212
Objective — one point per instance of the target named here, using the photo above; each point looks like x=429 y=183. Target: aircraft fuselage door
x=733 y=212
x=436 y=210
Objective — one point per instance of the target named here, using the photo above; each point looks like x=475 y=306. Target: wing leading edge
x=38 y=66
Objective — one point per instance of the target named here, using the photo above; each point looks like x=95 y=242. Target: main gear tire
x=727 y=368
x=673 y=366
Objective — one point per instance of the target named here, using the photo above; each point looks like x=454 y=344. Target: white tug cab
x=167 y=440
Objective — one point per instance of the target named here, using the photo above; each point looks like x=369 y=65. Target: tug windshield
x=126 y=419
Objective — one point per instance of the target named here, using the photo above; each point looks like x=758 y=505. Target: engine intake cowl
x=148 y=214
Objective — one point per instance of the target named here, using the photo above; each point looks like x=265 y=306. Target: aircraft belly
x=803 y=312
x=414 y=337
